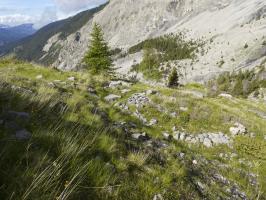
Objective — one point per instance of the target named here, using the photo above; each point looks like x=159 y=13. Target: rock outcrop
x=218 y=24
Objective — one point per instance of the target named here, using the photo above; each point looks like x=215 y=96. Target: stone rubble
x=138 y=99
x=206 y=139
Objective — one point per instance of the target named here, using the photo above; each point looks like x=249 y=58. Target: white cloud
x=69 y=6
x=49 y=15
x=61 y=9
x=16 y=19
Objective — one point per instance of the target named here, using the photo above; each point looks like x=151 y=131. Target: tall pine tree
x=98 y=58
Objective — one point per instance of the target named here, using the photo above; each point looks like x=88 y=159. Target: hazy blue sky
x=41 y=12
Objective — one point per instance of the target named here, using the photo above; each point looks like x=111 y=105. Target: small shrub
x=221 y=63
x=246 y=46
x=115 y=51
x=184 y=117
x=238 y=88
x=137 y=159
x=150 y=65
x=173 y=79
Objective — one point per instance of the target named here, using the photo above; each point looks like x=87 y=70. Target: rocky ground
x=157 y=143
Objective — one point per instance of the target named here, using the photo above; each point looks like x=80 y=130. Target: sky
x=41 y=12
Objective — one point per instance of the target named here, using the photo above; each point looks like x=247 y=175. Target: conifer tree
x=173 y=80
x=98 y=57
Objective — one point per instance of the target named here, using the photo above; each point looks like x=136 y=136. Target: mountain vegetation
x=172 y=47
x=132 y=124
x=241 y=83
x=161 y=50
x=98 y=57
x=74 y=135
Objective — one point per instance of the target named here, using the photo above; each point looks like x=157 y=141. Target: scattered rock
x=23 y=135
x=200 y=186
x=21 y=118
x=51 y=84
x=167 y=136
x=91 y=90
x=151 y=92
x=158 y=197
x=72 y=78
x=221 y=179
x=183 y=109
x=124 y=91
x=173 y=114
x=39 y=76
x=181 y=155
x=140 y=136
x=153 y=122
x=194 y=162
x=238 y=129
x=224 y=95
x=114 y=84
x=138 y=99
x=122 y=106
x=207 y=139
x=207 y=142
x=236 y=193
x=252 y=135
x=112 y=97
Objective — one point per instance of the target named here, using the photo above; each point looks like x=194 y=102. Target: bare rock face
x=225 y=26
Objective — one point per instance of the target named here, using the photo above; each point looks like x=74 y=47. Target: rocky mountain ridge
x=233 y=33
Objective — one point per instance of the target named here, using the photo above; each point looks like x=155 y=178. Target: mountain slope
x=12 y=34
x=232 y=31
x=34 y=44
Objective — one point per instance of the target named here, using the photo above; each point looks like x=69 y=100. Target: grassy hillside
x=85 y=146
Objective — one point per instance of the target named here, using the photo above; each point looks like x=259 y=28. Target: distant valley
x=10 y=34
